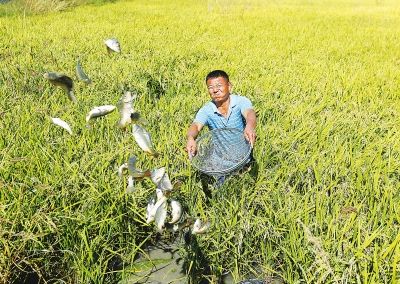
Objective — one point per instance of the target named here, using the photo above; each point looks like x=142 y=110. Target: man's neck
x=223 y=107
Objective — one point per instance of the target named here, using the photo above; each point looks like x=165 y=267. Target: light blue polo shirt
x=210 y=116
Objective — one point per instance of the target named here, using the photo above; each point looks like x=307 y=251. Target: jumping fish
x=99 y=111
x=62 y=123
x=133 y=171
x=143 y=139
x=161 y=216
x=132 y=165
x=121 y=169
x=160 y=194
x=199 y=228
x=176 y=211
x=161 y=179
x=152 y=208
x=62 y=81
x=112 y=44
x=165 y=183
x=126 y=111
x=157 y=174
x=149 y=209
x=130 y=187
x=81 y=74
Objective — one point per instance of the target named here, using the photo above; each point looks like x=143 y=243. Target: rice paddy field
x=320 y=206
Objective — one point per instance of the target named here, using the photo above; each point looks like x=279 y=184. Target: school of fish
x=165 y=212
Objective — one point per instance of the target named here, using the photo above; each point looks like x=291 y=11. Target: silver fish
x=160 y=194
x=62 y=123
x=121 y=169
x=161 y=216
x=132 y=165
x=133 y=171
x=99 y=111
x=161 y=179
x=149 y=210
x=130 y=187
x=161 y=198
x=196 y=225
x=157 y=174
x=176 y=211
x=81 y=74
x=126 y=110
x=165 y=183
x=62 y=81
x=199 y=228
x=142 y=138
x=112 y=45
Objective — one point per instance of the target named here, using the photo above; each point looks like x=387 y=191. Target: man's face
x=219 y=89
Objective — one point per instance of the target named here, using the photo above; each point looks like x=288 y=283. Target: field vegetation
x=324 y=77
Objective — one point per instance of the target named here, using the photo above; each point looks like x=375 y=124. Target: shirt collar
x=232 y=103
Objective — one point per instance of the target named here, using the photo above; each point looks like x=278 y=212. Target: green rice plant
x=321 y=205
x=29 y=7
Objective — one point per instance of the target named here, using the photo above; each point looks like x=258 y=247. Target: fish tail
x=71 y=96
x=154 y=154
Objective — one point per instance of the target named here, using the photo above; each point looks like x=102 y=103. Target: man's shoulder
x=204 y=113
x=239 y=99
x=207 y=107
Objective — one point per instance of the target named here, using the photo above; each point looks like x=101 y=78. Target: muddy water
x=162 y=264
x=159 y=264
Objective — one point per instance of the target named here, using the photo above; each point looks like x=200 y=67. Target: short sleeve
x=201 y=116
x=245 y=104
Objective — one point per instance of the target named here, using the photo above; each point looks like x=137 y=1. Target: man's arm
x=193 y=131
x=251 y=122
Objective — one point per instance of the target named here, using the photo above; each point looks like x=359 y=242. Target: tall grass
x=324 y=79
x=30 y=7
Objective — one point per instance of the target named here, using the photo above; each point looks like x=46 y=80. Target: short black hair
x=216 y=74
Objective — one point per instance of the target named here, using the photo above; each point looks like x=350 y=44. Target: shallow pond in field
x=159 y=264
x=162 y=264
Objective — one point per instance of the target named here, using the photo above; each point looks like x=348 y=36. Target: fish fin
x=142 y=121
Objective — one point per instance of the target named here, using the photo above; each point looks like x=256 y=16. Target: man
x=224 y=110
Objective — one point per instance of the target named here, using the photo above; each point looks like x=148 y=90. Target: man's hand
x=191 y=147
x=250 y=132
x=250 y=135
